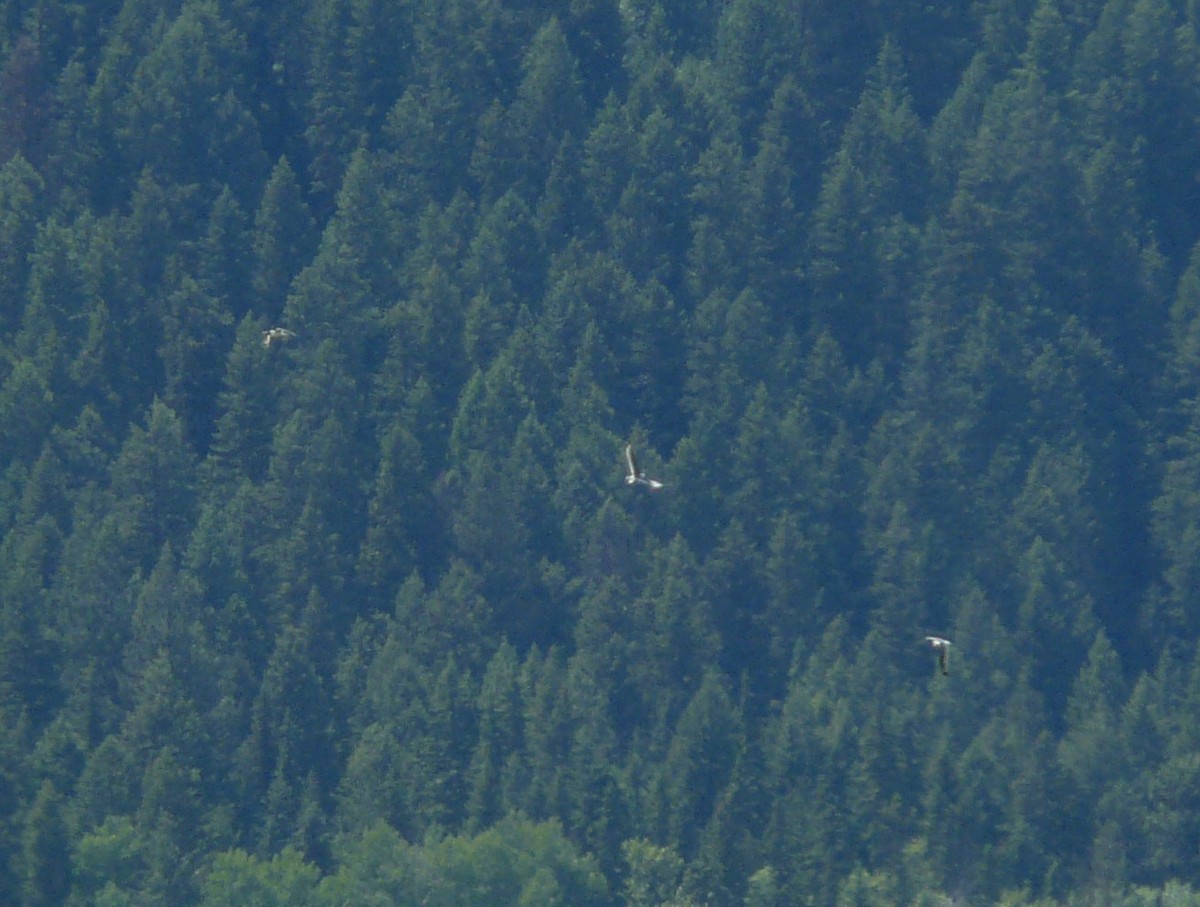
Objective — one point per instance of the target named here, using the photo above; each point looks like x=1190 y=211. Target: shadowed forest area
x=901 y=302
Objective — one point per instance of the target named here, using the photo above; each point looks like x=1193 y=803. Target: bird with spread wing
x=271 y=336
x=634 y=475
x=943 y=650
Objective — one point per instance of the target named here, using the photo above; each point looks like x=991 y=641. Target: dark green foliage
x=20 y=191
x=900 y=300
x=185 y=108
x=284 y=238
x=45 y=867
x=516 y=145
x=863 y=236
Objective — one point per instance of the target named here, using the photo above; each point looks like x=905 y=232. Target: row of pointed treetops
x=635 y=475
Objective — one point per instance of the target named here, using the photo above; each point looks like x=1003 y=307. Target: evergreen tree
x=1090 y=749
x=732 y=576
x=26 y=410
x=500 y=731
x=20 y=197
x=153 y=485
x=776 y=191
x=595 y=35
x=427 y=137
x=375 y=71
x=167 y=819
x=244 y=407
x=194 y=327
x=45 y=859
x=284 y=237
x=645 y=233
x=546 y=723
x=898 y=302
x=515 y=148
x=24 y=110
x=1156 y=52
x=399 y=516
x=56 y=285
x=185 y=112
x=222 y=255
x=27 y=661
x=338 y=295
x=698 y=762
x=758 y=45
x=675 y=642
x=864 y=236
x=287 y=738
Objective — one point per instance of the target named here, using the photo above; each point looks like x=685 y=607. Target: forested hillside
x=900 y=300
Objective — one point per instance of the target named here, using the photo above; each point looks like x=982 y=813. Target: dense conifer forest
x=900 y=300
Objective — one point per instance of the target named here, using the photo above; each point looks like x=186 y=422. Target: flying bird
x=635 y=476
x=943 y=650
x=276 y=335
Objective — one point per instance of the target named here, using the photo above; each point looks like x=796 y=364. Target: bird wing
x=943 y=657
x=630 y=461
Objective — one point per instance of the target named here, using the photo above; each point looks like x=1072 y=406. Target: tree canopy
x=901 y=304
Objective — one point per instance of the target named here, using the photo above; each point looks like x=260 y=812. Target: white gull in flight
x=276 y=335
x=635 y=476
x=943 y=650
